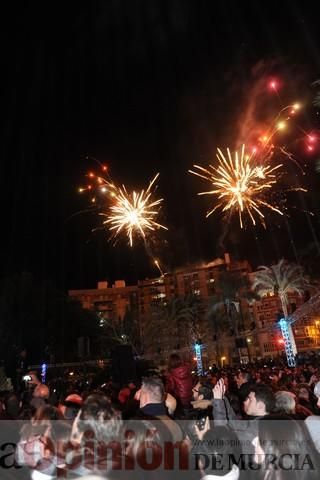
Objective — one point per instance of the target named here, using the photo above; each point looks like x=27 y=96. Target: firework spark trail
x=239 y=184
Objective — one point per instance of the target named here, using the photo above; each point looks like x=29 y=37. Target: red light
x=281 y=341
x=254 y=149
x=89 y=187
x=91 y=175
x=104 y=168
x=310 y=148
x=311 y=138
x=273 y=85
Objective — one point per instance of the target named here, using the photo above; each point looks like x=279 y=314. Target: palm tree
x=225 y=312
x=234 y=287
x=174 y=322
x=219 y=322
x=282 y=279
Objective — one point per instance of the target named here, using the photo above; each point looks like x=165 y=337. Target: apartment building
x=110 y=303
x=161 y=332
x=197 y=281
x=306 y=325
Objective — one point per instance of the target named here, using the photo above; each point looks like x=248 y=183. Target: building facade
x=110 y=303
x=174 y=312
x=187 y=305
x=306 y=325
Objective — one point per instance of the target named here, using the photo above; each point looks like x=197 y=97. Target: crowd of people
x=258 y=422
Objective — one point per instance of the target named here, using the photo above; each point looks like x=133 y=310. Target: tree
x=282 y=279
x=174 y=324
x=123 y=332
x=226 y=313
x=219 y=321
x=233 y=287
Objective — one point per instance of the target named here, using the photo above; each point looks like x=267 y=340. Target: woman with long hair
x=284 y=450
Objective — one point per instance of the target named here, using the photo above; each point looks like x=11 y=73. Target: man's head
x=98 y=415
x=152 y=391
x=41 y=391
x=202 y=391
x=242 y=377
x=12 y=405
x=312 y=369
x=304 y=391
x=260 y=401
x=285 y=402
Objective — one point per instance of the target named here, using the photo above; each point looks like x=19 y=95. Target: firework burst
x=240 y=184
x=248 y=183
x=133 y=213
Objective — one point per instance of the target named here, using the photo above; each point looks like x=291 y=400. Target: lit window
x=159 y=295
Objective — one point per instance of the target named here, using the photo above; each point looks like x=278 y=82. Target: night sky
x=144 y=86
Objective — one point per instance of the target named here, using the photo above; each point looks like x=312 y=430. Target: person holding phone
x=38 y=393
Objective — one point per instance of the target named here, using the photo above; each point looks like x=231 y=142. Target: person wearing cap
x=313 y=422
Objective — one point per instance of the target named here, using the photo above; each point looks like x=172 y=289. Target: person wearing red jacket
x=179 y=381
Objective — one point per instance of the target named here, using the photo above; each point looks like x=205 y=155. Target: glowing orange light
x=104 y=168
x=281 y=125
x=281 y=341
x=254 y=149
x=89 y=187
x=91 y=175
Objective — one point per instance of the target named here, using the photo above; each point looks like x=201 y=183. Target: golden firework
x=240 y=184
x=133 y=213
